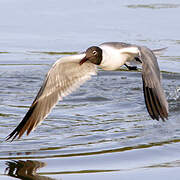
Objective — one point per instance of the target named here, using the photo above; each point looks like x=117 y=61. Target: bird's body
x=69 y=72
x=117 y=54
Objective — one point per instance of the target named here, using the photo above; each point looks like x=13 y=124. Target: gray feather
x=65 y=76
x=154 y=95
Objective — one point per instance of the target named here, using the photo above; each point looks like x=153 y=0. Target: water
x=103 y=129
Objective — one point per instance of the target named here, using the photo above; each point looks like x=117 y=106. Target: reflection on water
x=25 y=170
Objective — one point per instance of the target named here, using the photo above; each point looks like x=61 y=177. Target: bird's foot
x=131 y=68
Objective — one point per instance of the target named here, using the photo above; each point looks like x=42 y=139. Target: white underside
x=114 y=58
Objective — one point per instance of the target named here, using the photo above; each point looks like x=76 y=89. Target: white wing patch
x=130 y=50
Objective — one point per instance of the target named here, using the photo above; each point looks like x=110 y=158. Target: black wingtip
x=23 y=126
x=13 y=135
x=154 y=106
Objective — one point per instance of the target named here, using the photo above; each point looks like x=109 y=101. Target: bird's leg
x=131 y=67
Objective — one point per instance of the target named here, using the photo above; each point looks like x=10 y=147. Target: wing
x=65 y=76
x=155 y=99
x=154 y=95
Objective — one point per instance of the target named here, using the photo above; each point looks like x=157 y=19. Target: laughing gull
x=68 y=73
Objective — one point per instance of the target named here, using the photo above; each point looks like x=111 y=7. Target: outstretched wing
x=154 y=95
x=65 y=76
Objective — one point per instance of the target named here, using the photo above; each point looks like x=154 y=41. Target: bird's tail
x=159 y=51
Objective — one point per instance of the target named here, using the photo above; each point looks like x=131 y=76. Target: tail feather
x=159 y=51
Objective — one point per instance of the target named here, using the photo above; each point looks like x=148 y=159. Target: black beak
x=83 y=60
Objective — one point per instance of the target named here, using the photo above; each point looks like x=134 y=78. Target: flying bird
x=69 y=72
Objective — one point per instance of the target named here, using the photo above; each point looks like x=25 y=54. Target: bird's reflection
x=25 y=170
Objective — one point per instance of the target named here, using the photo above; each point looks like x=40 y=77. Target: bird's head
x=93 y=54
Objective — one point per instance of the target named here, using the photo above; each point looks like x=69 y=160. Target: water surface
x=103 y=129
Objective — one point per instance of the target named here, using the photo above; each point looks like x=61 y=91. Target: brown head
x=93 y=54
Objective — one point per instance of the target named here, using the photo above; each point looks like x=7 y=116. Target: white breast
x=114 y=58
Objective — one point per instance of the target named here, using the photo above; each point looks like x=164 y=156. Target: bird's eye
x=94 y=52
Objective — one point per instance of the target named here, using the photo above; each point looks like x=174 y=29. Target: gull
x=69 y=72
